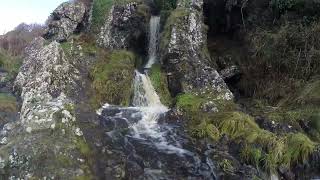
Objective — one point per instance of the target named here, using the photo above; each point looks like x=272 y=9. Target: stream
x=155 y=148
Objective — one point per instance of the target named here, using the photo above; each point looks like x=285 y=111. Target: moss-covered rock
x=112 y=78
x=160 y=84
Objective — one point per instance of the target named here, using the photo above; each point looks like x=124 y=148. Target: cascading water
x=161 y=146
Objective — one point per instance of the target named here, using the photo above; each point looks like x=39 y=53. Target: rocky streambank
x=55 y=123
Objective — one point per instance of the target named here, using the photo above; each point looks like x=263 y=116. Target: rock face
x=185 y=54
x=46 y=142
x=44 y=80
x=124 y=27
x=65 y=20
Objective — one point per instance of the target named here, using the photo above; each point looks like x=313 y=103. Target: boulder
x=185 y=55
x=65 y=20
x=45 y=78
x=46 y=142
x=125 y=26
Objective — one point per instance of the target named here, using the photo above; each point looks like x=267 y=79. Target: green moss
x=83 y=147
x=8 y=103
x=64 y=161
x=99 y=13
x=160 y=84
x=112 y=77
x=189 y=102
x=66 y=46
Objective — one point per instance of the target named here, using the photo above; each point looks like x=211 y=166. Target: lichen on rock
x=65 y=20
x=124 y=25
x=185 y=55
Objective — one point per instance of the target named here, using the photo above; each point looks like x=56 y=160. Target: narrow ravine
x=161 y=149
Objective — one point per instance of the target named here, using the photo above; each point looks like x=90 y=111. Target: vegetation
x=99 y=13
x=160 y=84
x=112 y=78
x=8 y=103
x=176 y=16
x=10 y=64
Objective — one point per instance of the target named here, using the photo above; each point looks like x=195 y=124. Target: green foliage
x=160 y=84
x=299 y=149
x=236 y=124
x=66 y=46
x=83 y=147
x=10 y=64
x=252 y=155
x=8 y=103
x=206 y=129
x=283 y=59
x=112 y=76
x=99 y=13
x=226 y=165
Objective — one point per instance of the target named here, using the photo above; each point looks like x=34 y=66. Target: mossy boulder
x=112 y=78
x=160 y=84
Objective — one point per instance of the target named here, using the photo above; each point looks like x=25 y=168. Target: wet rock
x=65 y=20
x=125 y=26
x=134 y=166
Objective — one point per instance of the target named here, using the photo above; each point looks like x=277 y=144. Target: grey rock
x=124 y=25
x=185 y=56
x=45 y=78
x=65 y=20
x=230 y=72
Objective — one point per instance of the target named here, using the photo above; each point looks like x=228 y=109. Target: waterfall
x=161 y=145
x=145 y=97
x=153 y=40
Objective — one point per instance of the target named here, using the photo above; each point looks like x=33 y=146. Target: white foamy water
x=153 y=40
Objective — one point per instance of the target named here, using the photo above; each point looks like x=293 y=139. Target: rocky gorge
x=165 y=89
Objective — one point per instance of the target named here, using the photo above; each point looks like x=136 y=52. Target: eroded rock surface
x=44 y=80
x=46 y=142
x=185 y=54
x=65 y=20
x=124 y=26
